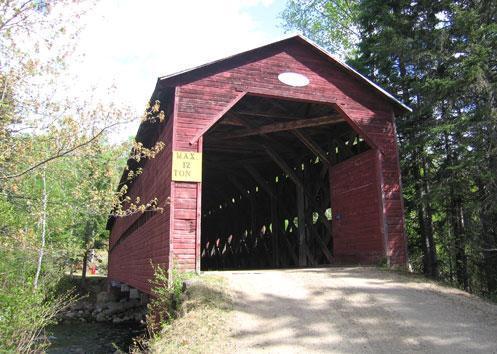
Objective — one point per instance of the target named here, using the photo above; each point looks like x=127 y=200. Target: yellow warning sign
x=187 y=166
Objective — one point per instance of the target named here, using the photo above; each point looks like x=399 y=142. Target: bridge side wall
x=357 y=206
x=139 y=240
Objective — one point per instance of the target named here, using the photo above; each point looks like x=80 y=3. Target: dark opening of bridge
x=266 y=184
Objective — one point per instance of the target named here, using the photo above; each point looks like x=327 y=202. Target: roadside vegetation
x=59 y=170
x=189 y=315
x=25 y=311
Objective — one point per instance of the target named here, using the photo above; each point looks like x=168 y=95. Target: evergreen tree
x=439 y=57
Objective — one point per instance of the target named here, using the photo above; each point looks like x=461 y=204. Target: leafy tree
x=56 y=168
x=331 y=23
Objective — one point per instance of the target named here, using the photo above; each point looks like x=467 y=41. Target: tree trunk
x=490 y=260
x=43 y=229
x=456 y=216
x=457 y=225
x=426 y=226
x=425 y=219
x=87 y=244
x=85 y=265
x=488 y=222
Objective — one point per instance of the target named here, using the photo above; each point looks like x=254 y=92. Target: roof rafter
x=285 y=126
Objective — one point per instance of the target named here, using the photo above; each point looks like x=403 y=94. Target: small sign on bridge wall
x=187 y=166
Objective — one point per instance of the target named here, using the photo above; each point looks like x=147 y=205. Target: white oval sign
x=293 y=79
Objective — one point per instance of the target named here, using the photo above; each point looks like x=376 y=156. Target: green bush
x=166 y=297
x=25 y=311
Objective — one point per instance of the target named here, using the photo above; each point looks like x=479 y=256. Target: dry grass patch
x=203 y=322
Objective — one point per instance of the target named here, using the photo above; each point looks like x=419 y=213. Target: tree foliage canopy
x=439 y=57
x=58 y=170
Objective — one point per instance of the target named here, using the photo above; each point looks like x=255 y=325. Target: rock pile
x=106 y=308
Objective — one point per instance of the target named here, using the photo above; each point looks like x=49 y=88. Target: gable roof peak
x=303 y=39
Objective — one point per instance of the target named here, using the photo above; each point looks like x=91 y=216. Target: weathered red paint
x=358 y=218
x=366 y=189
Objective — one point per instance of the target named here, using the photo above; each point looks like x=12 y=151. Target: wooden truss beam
x=273 y=209
x=285 y=126
x=311 y=145
x=283 y=165
x=301 y=189
x=266 y=115
x=301 y=192
x=260 y=180
x=232 y=120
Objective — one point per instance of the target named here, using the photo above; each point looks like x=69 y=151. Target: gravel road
x=355 y=310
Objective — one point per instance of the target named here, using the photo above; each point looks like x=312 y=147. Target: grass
x=202 y=324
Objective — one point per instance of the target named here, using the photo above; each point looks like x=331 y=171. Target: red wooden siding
x=365 y=189
x=202 y=100
x=358 y=220
x=130 y=259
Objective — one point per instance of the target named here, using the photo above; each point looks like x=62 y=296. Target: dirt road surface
x=355 y=310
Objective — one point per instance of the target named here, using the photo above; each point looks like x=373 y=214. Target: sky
x=129 y=43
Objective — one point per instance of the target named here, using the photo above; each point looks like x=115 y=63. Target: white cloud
x=131 y=43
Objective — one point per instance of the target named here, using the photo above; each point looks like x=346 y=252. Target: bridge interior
x=266 y=186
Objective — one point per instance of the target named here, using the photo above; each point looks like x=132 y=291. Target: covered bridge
x=281 y=156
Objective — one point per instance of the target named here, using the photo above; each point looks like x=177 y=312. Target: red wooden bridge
x=281 y=156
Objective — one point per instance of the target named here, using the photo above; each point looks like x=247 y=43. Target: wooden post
x=274 y=231
x=274 y=210
x=302 y=197
x=302 y=224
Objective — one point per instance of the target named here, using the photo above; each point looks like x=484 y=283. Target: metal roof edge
x=226 y=58
x=354 y=71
